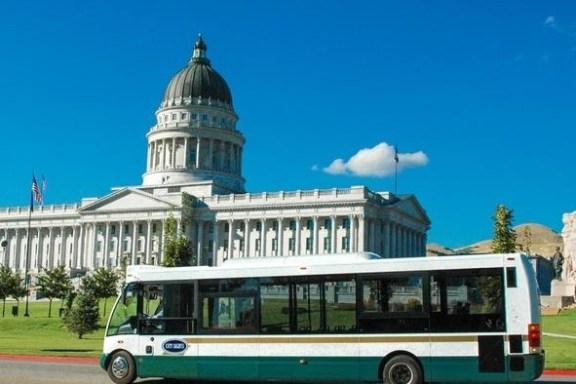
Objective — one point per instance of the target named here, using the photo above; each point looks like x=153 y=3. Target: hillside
x=543 y=242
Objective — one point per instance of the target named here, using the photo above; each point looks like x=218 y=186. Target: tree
x=177 y=248
x=54 y=283
x=105 y=284
x=6 y=281
x=82 y=318
x=17 y=288
x=504 y=235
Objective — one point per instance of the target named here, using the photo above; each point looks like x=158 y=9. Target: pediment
x=409 y=206
x=126 y=200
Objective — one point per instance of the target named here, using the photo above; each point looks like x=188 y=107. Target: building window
x=258 y=242
x=226 y=227
x=194 y=116
x=204 y=117
x=345 y=244
x=126 y=229
x=242 y=226
x=258 y=226
x=309 y=225
x=140 y=229
x=292 y=225
x=140 y=247
x=291 y=244
x=154 y=228
x=346 y=223
x=113 y=229
x=98 y=246
x=275 y=244
x=125 y=246
x=183 y=116
x=241 y=245
x=173 y=116
x=327 y=244
x=275 y=226
x=226 y=245
x=309 y=244
x=328 y=224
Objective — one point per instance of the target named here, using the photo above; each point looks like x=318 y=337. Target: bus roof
x=326 y=264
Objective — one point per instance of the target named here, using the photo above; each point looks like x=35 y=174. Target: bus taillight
x=534 y=336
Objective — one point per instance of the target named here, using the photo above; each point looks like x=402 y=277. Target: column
x=133 y=242
x=148 y=246
x=315 y=235
x=263 y=238
x=352 y=234
x=198 y=152
x=230 y=239
x=297 y=249
x=386 y=239
x=280 y=237
x=247 y=248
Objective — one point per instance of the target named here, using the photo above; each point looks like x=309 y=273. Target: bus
x=353 y=317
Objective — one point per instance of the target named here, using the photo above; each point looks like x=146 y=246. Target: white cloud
x=550 y=20
x=376 y=162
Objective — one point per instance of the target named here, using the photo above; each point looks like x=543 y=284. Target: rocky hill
x=542 y=241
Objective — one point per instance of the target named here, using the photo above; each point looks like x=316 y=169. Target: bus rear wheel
x=122 y=369
x=402 y=369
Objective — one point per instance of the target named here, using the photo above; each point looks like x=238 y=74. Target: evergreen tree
x=504 y=235
x=82 y=318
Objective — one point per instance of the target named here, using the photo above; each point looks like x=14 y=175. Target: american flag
x=36 y=192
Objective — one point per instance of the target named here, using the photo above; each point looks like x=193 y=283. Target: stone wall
x=569 y=237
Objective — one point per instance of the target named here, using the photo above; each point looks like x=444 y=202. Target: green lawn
x=560 y=351
x=40 y=335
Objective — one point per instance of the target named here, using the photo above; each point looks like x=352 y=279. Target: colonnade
x=194 y=153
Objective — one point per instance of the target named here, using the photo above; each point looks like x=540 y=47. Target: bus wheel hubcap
x=401 y=374
x=119 y=367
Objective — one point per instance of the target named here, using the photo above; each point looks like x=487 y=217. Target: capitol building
x=194 y=174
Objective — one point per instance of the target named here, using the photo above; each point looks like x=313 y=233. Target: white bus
x=342 y=317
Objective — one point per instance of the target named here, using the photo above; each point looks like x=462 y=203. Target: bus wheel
x=122 y=369
x=402 y=369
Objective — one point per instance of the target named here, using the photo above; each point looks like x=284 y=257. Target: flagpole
x=395 y=170
x=26 y=277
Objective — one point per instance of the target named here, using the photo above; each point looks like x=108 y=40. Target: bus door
x=167 y=327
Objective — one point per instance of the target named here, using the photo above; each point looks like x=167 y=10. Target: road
x=16 y=371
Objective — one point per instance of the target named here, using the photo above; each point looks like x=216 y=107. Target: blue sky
x=478 y=97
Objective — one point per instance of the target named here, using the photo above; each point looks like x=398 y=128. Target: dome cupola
x=198 y=81
x=195 y=146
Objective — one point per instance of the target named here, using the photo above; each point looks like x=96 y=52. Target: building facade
x=194 y=174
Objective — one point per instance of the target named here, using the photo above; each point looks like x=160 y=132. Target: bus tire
x=122 y=369
x=402 y=369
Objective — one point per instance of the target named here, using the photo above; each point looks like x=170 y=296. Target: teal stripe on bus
x=448 y=368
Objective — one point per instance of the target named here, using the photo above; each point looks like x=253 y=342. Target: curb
x=52 y=359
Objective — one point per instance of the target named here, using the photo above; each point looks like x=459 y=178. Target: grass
x=39 y=334
x=560 y=351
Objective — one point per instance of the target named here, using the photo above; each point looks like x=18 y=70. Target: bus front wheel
x=122 y=369
x=402 y=369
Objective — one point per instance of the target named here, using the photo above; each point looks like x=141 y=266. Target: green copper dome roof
x=197 y=81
